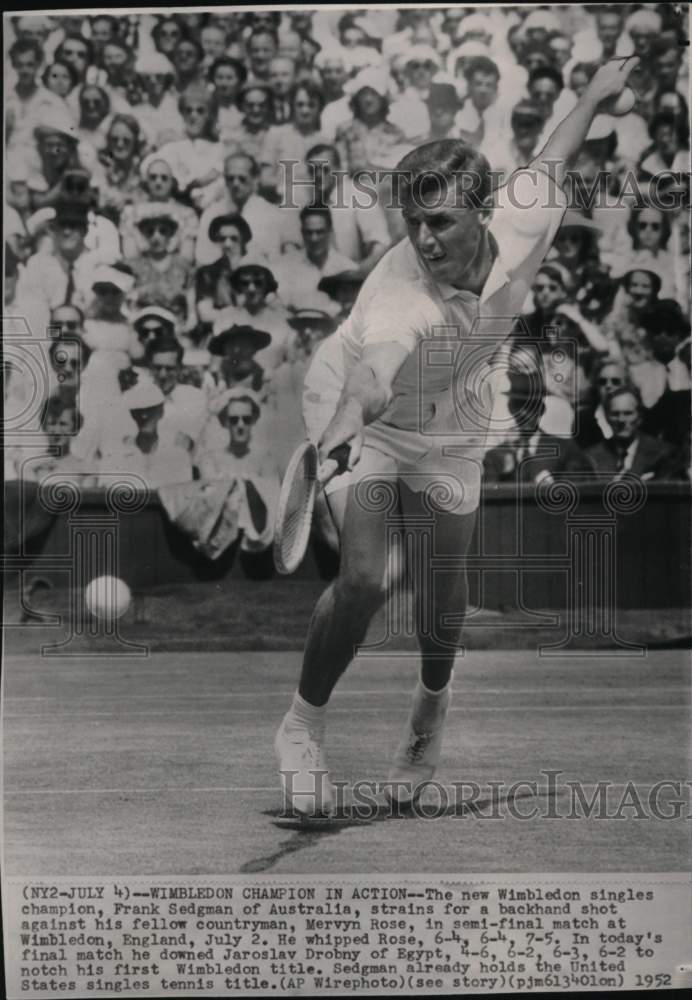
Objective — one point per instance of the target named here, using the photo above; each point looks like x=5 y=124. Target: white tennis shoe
x=419 y=750
x=304 y=775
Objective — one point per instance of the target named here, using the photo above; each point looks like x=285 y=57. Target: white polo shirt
x=400 y=303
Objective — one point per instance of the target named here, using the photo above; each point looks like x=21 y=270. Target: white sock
x=303 y=715
x=427 y=704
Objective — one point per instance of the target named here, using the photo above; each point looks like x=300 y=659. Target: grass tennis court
x=164 y=765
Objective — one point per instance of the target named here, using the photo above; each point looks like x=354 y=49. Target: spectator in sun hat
x=55 y=151
x=237 y=346
x=256 y=304
x=153 y=451
x=242 y=459
x=369 y=139
x=214 y=290
x=161 y=273
x=158 y=186
x=152 y=322
x=409 y=111
x=157 y=112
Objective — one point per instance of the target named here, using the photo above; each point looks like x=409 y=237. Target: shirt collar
x=496 y=279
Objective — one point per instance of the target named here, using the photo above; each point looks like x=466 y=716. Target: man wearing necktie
x=61 y=277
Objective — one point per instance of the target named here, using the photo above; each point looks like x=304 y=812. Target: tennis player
x=420 y=426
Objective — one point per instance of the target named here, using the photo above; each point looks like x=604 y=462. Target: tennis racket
x=297 y=502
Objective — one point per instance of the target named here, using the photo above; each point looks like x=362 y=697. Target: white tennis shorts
x=446 y=466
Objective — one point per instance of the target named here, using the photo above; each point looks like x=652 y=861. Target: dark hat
x=310 y=317
x=443 y=95
x=526 y=113
x=229 y=219
x=269 y=279
x=331 y=283
x=75 y=212
x=217 y=345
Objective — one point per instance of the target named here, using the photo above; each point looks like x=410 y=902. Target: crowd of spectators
x=180 y=229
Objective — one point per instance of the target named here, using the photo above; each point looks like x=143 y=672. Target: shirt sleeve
x=531 y=203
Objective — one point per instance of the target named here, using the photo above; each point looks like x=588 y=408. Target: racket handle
x=340 y=455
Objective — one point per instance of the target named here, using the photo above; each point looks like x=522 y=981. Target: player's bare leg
x=440 y=606
x=339 y=624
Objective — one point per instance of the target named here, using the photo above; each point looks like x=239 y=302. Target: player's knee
x=362 y=590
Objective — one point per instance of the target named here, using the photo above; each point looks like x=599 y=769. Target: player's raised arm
x=565 y=142
x=366 y=395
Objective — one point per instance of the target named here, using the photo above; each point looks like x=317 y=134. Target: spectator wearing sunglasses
x=196 y=160
x=409 y=111
x=161 y=272
x=251 y=465
x=650 y=229
x=592 y=424
x=158 y=186
x=157 y=110
x=214 y=289
x=120 y=159
x=94 y=116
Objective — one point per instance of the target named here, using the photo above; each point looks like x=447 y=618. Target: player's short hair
x=432 y=166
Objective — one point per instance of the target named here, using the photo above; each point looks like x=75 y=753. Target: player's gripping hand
x=345 y=427
x=610 y=79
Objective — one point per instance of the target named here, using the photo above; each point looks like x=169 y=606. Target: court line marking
x=362 y=711
x=366 y=692
x=235 y=788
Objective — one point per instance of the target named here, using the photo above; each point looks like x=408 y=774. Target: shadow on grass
x=308 y=831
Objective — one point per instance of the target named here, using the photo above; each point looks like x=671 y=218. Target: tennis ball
x=108 y=597
x=622 y=104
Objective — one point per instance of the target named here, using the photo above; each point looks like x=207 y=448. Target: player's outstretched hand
x=609 y=79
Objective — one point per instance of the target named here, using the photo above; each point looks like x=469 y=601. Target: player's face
x=446 y=238
x=164 y=370
x=623 y=416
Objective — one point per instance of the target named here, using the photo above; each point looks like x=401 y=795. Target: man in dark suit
x=628 y=450
x=533 y=456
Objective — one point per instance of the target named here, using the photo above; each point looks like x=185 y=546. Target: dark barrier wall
x=625 y=545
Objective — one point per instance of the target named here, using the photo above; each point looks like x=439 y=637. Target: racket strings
x=294 y=524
